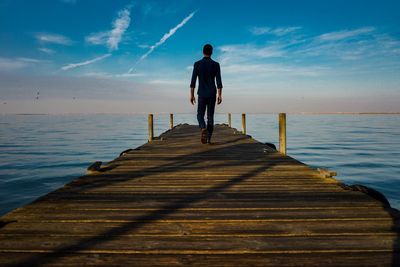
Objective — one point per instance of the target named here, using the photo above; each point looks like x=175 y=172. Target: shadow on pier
x=230 y=151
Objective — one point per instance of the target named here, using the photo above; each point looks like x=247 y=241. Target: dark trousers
x=203 y=104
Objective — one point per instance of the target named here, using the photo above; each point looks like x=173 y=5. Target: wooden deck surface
x=177 y=202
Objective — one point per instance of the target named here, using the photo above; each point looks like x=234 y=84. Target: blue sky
x=136 y=56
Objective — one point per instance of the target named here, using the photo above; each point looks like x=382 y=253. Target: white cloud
x=72 y=2
x=110 y=75
x=120 y=26
x=345 y=34
x=127 y=75
x=97 y=74
x=84 y=63
x=280 y=31
x=168 y=35
x=363 y=44
x=53 y=38
x=246 y=52
x=97 y=38
x=341 y=54
x=266 y=69
x=28 y=60
x=10 y=64
x=143 y=46
x=168 y=82
x=46 y=50
x=113 y=37
x=260 y=30
x=165 y=38
x=285 y=30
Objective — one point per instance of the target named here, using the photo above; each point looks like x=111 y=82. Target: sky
x=98 y=56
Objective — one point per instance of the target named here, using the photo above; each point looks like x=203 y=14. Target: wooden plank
x=186 y=243
x=202 y=227
x=176 y=202
x=201 y=204
x=202 y=214
x=329 y=259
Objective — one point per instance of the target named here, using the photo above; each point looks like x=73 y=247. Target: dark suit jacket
x=208 y=72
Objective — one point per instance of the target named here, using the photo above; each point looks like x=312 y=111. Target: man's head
x=207 y=50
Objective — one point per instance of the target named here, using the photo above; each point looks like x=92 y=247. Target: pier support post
x=229 y=120
x=151 y=128
x=171 y=120
x=243 y=123
x=282 y=133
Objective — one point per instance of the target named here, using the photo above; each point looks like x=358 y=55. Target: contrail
x=163 y=39
x=75 y=65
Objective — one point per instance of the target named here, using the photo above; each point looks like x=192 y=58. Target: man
x=208 y=72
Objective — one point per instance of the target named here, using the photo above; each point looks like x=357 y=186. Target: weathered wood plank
x=176 y=202
x=187 y=243
x=202 y=214
x=202 y=227
x=329 y=259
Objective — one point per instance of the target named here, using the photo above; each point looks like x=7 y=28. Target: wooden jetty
x=176 y=202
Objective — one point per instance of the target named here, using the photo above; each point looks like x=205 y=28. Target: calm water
x=39 y=153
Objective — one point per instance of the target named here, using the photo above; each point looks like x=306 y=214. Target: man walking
x=208 y=72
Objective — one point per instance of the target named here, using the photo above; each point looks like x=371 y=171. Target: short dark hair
x=207 y=49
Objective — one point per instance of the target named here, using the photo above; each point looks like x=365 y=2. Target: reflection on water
x=41 y=153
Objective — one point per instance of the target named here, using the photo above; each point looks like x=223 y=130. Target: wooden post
x=151 y=129
x=243 y=123
x=171 y=120
x=229 y=119
x=282 y=133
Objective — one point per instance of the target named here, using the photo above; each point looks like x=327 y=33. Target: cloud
x=7 y=64
x=343 y=53
x=11 y=64
x=165 y=38
x=168 y=82
x=280 y=31
x=113 y=37
x=260 y=30
x=28 y=60
x=168 y=35
x=285 y=30
x=111 y=75
x=126 y=75
x=266 y=69
x=120 y=26
x=53 y=38
x=345 y=34
x=92 y=95
x=365 y=44
x=97 y=38
x=237 y=53
x=143 y=46
x=84 y=63
x=46 y=50
x=71 y=2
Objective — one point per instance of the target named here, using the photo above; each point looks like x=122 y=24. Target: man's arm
x=219 y=85
x=193 y=85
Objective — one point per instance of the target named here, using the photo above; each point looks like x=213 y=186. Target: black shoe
x=209 y=139
x=204 y=134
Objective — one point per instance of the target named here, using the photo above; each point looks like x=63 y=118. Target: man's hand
x=219 y=99
x=192 y=99
x=219 y=96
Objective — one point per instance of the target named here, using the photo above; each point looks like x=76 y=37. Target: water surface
x=39 y=153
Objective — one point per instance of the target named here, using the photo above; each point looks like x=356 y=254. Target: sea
x=40 y=153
